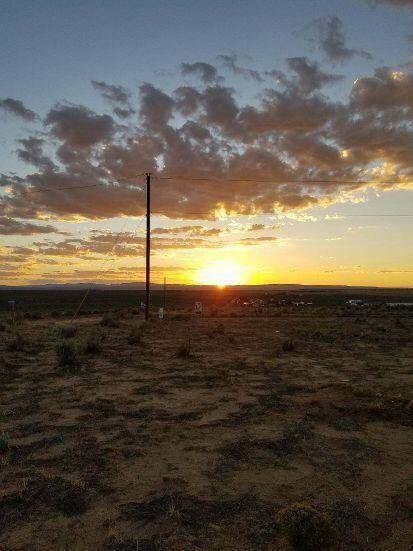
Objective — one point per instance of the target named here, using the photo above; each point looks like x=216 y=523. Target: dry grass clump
x=20 y=343
x=305 y=528
x=135 y=334
x=4 y=444
x=288 y=345
x=93 y=342
x=68 y=331
x=109 y=321
x=184 y=351
x=67 y=356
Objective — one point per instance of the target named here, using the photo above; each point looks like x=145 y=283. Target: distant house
x=400 y=304
x=257 y=302
x=243 y=301
x=355 y=302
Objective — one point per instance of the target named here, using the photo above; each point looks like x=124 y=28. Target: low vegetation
x=305 y=528
x=68 y=331
x=109 y=321
x=67 y=355
x=207 y=433
x=92 y=343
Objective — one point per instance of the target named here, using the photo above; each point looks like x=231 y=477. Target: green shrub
x=67 y=356
x=108 y=321
x=305 y=528
x=68 y=331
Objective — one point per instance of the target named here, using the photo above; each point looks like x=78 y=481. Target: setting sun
x=221 y=273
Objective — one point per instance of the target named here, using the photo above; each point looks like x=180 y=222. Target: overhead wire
x=273 y=180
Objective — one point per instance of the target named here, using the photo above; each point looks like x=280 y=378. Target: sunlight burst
x=221 y=273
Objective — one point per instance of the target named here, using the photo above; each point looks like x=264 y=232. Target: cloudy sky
x=279 y=135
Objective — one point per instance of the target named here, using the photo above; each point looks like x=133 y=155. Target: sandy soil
x=191 y=433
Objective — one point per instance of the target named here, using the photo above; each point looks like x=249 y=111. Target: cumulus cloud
x=117 y=96
x=231 y=62
x=191 y=230
x=31 y=152
x=310 y=76
x=156 y=107
x=10 y=226
x=396 y=3
x=206 y=72
x=17 y=108
x=78 y=126
x=219 y=154
x=331 y=40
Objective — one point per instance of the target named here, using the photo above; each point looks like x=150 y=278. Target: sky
x=278 y=134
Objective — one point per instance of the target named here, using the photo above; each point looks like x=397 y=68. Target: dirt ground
x=191 y=433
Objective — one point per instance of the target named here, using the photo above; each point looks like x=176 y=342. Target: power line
x=66 y=188
x=332 y=216
x=273 y=181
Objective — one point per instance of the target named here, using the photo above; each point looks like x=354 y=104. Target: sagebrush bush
x=108 y=321
x=184 y=351
x=17 y=343
x=93 y=343
x=68 y=331
x=135 y=334
x=67 y=355
x=288 y=345
x=4 y=444
x=305 y=528
x=68 y=497
x=220 y=329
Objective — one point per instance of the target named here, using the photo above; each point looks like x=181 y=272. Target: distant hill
x=139 y=286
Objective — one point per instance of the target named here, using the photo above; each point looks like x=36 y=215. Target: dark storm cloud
x=17 y=108
x=331 y=40
x=231 y=62
x=206 y=72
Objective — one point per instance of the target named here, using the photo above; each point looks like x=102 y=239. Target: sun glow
x=221 y=273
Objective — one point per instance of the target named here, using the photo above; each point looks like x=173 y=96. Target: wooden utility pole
x=148 y=244
x=164 y=293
